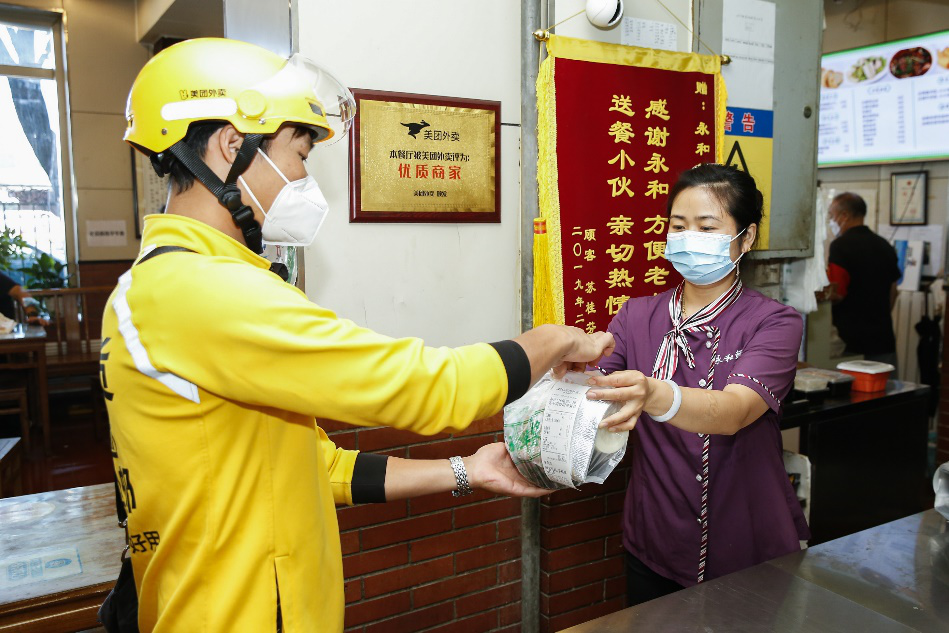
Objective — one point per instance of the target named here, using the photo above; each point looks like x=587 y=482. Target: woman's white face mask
x=297 y=213
x=701 y=258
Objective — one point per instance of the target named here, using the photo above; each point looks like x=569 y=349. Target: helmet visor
x=333 y=99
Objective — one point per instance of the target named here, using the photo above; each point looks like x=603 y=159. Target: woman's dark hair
x=734 y=189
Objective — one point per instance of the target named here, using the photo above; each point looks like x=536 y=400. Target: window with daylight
x=32 y=222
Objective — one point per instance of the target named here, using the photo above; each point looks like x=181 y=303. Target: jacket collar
x=178 y=230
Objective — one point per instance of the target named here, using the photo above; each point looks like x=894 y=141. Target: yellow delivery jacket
x=214 y=369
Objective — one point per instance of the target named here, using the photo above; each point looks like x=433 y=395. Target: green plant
x=12 y=248
x=31 y=266
x=45 y=272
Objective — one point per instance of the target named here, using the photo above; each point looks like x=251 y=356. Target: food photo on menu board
x=885 y=103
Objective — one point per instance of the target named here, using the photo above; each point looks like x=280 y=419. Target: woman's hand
x=632 y=388
x=491 y=469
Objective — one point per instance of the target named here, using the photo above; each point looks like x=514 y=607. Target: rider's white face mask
x=297 y=213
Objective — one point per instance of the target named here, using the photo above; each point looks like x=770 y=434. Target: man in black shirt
x=863 y=272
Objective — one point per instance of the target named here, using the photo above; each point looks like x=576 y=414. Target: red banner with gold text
x=614 y=138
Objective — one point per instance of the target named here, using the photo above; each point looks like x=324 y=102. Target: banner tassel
x=543 y=291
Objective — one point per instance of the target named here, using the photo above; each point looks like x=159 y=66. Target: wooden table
x=25 y=349
x=59 y=558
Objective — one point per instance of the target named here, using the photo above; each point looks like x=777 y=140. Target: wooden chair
x=14 y=402
x=72 y=350
x=23 y=366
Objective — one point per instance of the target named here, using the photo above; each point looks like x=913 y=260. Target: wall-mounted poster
x=150 y=190
x=421 y=158
x=748 y=37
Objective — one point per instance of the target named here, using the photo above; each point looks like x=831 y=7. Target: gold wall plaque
x=420 y=158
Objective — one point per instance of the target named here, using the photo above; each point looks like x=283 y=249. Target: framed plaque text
x=422 y=158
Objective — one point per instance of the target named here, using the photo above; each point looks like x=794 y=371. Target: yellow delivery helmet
x=253 y=89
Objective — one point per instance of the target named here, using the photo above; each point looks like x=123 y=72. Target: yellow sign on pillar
x=749 y=143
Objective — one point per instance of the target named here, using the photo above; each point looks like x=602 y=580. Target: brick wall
x=435 y=563
x=581 y=553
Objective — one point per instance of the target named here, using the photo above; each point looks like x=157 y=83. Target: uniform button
x=699 y=519
x=708 y=334
x=702 y=382
x=699 y=434
x=698 y=478
x=708 y=344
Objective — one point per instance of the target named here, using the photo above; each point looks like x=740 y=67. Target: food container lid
x=809 y=383
x=831 y=376
x=866 y=366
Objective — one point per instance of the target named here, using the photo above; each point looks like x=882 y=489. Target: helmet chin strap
x=226 y=192
x=280 y=270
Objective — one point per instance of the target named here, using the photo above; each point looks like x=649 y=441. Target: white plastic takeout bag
x=553 y=437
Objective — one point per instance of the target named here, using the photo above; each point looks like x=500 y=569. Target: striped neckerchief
x=667 y=358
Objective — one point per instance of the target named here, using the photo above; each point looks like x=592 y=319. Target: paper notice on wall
x=930 y=235
x=107 y=233
x=650 y=34
x=557 y=428
x=910 y=260
x=748 y=38
x=152 y=188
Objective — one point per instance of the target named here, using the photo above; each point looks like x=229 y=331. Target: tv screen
x=885 y=103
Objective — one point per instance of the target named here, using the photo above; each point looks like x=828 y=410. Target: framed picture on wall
x=423 y=158
x=908 y=198
x=150 y=192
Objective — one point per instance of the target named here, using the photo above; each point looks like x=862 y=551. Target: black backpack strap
x=119 y=611
x=161 y=250
x=276 y=268
x=119 y=506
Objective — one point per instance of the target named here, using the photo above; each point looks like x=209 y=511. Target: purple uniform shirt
x=753 y=513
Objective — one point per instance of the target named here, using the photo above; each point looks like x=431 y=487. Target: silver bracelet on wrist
x=461 y=477
x=676 y=403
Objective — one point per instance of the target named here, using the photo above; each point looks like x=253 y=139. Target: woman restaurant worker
x=707 y=365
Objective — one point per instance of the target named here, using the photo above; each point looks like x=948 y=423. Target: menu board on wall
x=885 y=103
